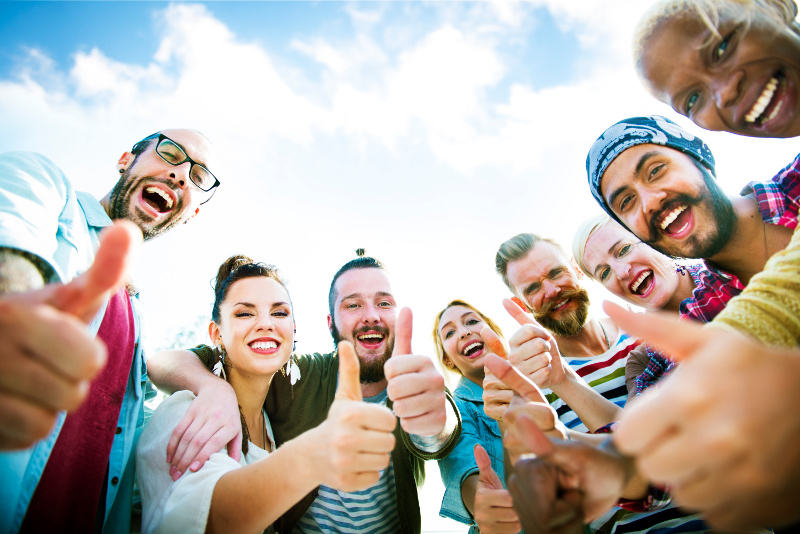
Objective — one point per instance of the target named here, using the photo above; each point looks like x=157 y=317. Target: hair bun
x=228 y=266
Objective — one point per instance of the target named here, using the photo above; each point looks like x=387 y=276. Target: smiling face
x=745 y=81
x=364 y=314
x=668 y=202
x=255 y=327
x=459 y=332
x=153 y=194
x=550 y=285
x=630 y=269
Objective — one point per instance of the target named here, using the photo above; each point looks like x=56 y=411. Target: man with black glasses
x=69 y=340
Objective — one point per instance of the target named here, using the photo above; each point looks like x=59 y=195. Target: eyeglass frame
x=137 y=149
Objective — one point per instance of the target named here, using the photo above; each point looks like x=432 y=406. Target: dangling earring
x=219 y=367
x=680 y=269
x=292 y=369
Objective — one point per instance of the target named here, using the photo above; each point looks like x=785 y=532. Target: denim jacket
x=476 y=427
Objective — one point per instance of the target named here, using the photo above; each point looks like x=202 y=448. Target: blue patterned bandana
x=654 y=130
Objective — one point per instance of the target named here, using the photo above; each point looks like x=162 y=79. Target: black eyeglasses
x=174 y=154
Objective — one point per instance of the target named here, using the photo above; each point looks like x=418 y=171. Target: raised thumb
x=494 y=342
x=487 y=476
x=84 y=295
x=349 y=387
x=666 y=332
x=402 y=332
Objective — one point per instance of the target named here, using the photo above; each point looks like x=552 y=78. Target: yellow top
x=769 y=307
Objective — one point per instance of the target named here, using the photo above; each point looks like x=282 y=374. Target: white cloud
x=411 y=135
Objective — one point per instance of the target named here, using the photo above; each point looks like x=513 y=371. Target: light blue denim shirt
x=42 y=214
x=476 y=427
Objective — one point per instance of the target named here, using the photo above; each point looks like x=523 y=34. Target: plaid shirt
x=778 y=202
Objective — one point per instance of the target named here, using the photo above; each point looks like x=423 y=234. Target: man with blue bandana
x=659 y=181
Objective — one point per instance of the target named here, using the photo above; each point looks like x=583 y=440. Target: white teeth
x=775 y=111
x=560 y=303
x=670 y=218
x=466 y=350
x=371 y=336
x=635 y=285
x=161 y=193
x=264 y=345
x=763 y=101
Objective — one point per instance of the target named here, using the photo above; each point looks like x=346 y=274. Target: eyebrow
x=251 y=305
x=641 y=163
x=359 y=295
x=610 y=251
x=451 y=322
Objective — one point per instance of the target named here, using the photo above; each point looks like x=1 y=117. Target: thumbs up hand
x=494 y=511
x=529 y=402
x=415 y=386
x=534 y=351
x=47 y=357
x=356 y=439
x=720 y=431
x=496 y=395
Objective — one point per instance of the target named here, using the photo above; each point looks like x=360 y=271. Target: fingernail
x=176 y=475
x=169 y=458
x=195 y=466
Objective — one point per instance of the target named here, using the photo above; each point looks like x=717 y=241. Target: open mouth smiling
x=642 y=284
x=266 y=346
x=676 y=220
x=371 y=339
x=158 y=199
x=473 y=349
x=769 y=102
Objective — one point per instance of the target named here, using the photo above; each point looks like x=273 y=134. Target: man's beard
x=696 y=246
x=372 y=370
x=120 y=201
x=572 y=321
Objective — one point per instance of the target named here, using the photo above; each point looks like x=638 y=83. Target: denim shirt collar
x=468 y=390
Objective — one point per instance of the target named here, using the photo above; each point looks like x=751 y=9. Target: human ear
x=214 y=333
x=124 y=160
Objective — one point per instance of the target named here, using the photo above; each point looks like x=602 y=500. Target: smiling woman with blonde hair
x=462 y=349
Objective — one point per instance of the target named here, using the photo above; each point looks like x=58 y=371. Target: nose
x=371 y=315
x=550 y=289
x=265 y=322
x=727 y=88
x=465 y=332
x=621 y=269
x=651 y=199
x=180 y=174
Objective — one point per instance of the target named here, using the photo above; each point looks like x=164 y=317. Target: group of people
x=557 y=429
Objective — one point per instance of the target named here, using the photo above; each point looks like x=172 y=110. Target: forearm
x=177 y=370
x=434 y=444
x=253 y=497
x=468 y=489
x=593 y=409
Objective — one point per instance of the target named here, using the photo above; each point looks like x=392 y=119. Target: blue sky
x=427 y=133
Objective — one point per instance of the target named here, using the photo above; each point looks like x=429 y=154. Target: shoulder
x=32 y=167
x=163 y=421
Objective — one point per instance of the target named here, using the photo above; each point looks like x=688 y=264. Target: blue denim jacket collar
x=468 y=390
